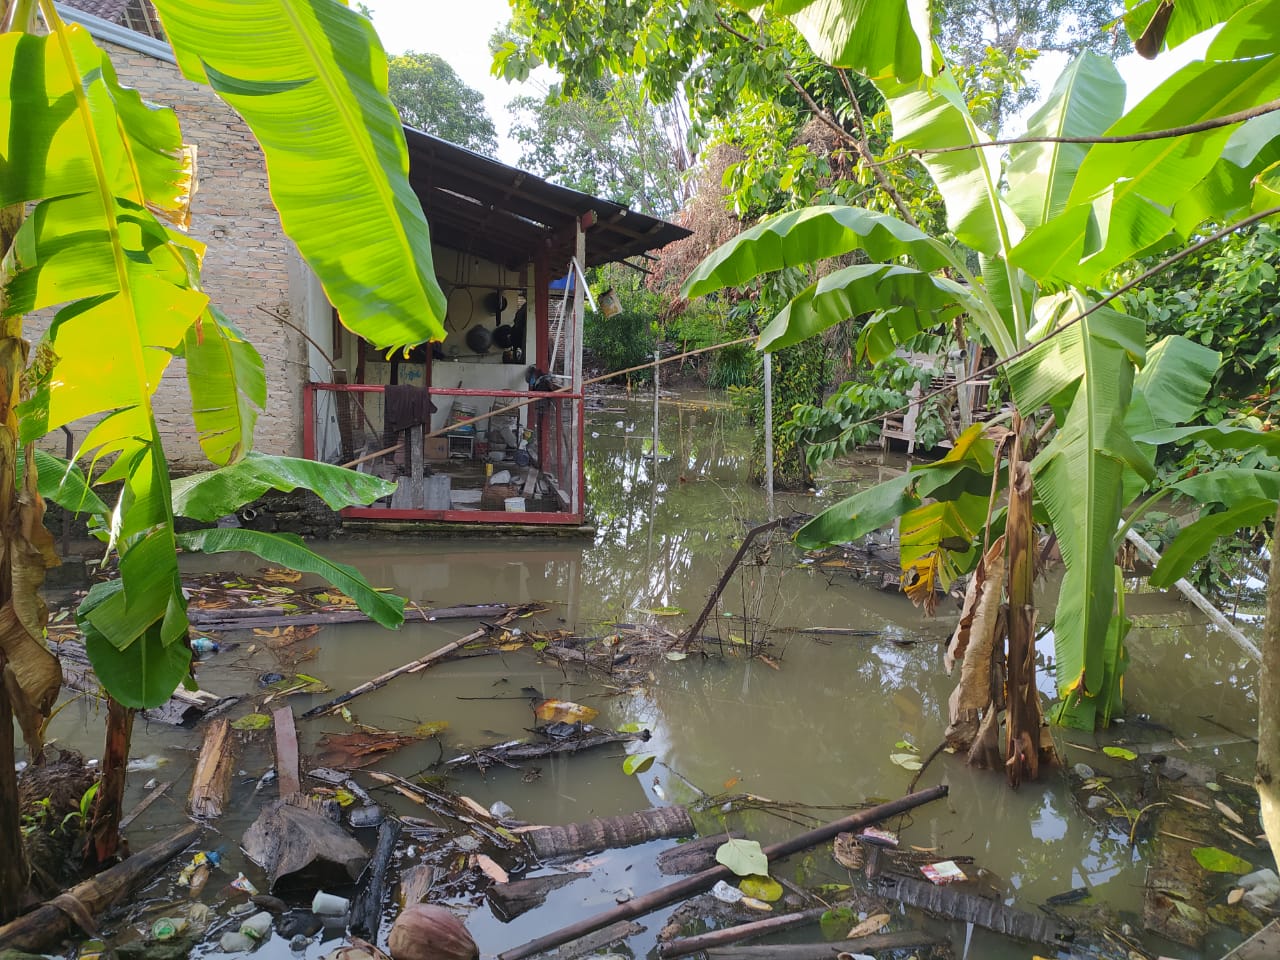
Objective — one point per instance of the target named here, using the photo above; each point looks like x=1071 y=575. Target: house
x=480 y=427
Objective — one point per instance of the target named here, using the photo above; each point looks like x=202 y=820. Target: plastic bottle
x=203 y=646
x=257 y=926
x=166 y=928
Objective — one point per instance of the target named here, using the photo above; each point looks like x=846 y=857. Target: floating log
x=414 y=666
x=510 y=754
x=299 y=847
x=509 y=900
x=896 y=940
x=693 y=855
x=40 y=930
x=607 y=833
x=212 y=779
x=699 y=882
x=366 y=914
x=266 y=617
x=593 y=943
x=462 y=809
x=955 y=904
x=743 y=931
x=287 y=774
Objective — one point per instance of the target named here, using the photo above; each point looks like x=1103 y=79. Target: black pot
x=505 y=336
x=495 y=303
x=479 y=339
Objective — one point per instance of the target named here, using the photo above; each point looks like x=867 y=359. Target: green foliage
x=621 y=341
x=1226 y=296
x=849 y=418
x=431 y=96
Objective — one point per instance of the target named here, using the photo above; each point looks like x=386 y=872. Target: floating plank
x=263 y=617
x=212 y=779
x=509 y=900
x=897 y=940
x=607 y=833
x=735 y=934
x=287 y=775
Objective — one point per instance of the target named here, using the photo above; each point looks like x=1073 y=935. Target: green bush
x=620 y=342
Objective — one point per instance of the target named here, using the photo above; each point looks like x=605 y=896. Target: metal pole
x=768 y=432
x=657 y=364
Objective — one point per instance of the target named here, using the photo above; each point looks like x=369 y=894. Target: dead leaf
x=1235 y=896
x=1191 y=800
x=475 y=808
x=281 y=575
x=732 y=782
x=564 y=711
x=848 y=851
x=1239 y=836
x=33 y=675
x=769 y=662
x=348 y=751
x=974 y=642
x=490 y=869
x=1227 y=812
x=868 y=926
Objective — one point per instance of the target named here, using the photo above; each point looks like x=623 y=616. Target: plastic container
x=514 y=504
x=203 y=646
x=166 y=928
x=327 y=905
x=257 y=926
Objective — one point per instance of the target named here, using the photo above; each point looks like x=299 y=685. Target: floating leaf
x=908 y=761
x=676 y=655
x=431 y=728
x=564 y=711
x=1220 y=861
x=490 y=868
x=1120 y=753
x=1227 y=812
x=907 y=745
x=868 y=926
x=1235 y=896
x=761 y=888
x=836 y=920
x=743 y=857
x=661 y=611
x=732 y=782
x=637 y=763
x=631 y=728
x=754 y=904
x=344 y=797
x=281 y=575
x=252 y=721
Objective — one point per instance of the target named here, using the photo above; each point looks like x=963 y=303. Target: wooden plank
x=897 y=940
x=212 y=779
x=287 y=774
x=145 y=802
x=227 y=620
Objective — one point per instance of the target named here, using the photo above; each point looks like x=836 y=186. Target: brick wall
x=246 y=265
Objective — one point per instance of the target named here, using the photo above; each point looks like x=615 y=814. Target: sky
x=459 y=31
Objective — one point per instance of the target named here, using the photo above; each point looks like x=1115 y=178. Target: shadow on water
x=816 y=725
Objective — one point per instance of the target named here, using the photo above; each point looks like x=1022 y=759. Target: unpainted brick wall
x=246 y=264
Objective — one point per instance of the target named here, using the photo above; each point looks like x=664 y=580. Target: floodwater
x=816 y=726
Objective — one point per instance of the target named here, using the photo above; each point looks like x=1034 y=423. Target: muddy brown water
x=819 y=729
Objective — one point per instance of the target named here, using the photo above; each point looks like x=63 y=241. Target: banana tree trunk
x=14 y=872
x=1023 y=719
x=1267 y=779
x=103 y=834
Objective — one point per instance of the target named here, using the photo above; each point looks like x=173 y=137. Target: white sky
x=459 y=31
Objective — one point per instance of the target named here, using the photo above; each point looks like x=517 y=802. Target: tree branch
x=1213 y=123
x=864 y=149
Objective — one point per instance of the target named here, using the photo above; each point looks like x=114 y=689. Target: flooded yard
x=813 y=723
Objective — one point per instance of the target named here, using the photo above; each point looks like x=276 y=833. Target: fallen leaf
x=1120 y=753
x=1238 y=835
x=346 y=751
x=908 y=761
x=1227 y=812
x=475 y=808
x=281 y=575
x=732 y=782
x=637 y=763
x=490 y=869
x=769 y=662
x=761 y=888
x=431 y=728
x=1220 y=861
x=743 y=857
x=252 y=721
x=564 y=711
x=1235 y=896
x=1192 y=801
x=868 y=926
x=753 y=904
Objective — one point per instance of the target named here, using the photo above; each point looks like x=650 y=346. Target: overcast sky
x=459 y=31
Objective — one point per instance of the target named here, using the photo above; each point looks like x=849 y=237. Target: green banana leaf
x=1087 y=98
x=1218 y=436
x=930 y=113
x=802 y=237
x=1182 y=20
x=1194 y=540
x=310 y=80
x=1230 y=486
x=144 y=674
x=208 y=496
x=1228 y=190
x=64 y=483
x=228 y=386
x=876 y=38
x=1084 y=464
x=290 y=551
x=966 y=468
x=916 y=300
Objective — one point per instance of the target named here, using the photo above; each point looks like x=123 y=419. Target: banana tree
x=95 y=189
x=1044 y=225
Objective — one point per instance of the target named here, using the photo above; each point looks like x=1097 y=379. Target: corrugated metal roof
x=478 y=205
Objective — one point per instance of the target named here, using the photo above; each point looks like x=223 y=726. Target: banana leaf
x=872 y=37
x=208 y=496
x=290 y=551
x=228 y=386
x=310 y=80
x=1194 y=540
x=802 y=237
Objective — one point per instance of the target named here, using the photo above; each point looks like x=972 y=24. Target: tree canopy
x=431 y=96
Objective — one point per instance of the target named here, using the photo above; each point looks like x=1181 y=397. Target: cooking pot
x=479 y=339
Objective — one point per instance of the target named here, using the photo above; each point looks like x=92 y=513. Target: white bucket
x=515 y=504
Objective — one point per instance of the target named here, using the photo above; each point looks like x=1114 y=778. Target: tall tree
x=431 y=96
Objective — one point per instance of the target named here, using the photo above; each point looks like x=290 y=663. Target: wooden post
x=768 y=432
x=579 y=319
x=657 y=365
